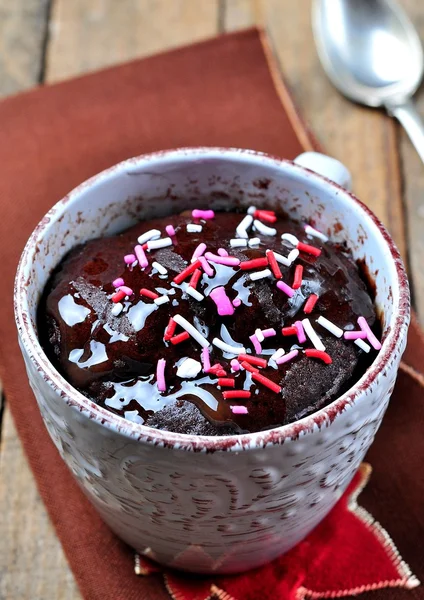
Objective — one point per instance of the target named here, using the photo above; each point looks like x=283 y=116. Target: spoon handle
x=407 y=114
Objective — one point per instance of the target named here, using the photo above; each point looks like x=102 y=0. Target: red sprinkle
x=265 y=215
x=187 y=271
x=253 y=360
x=274 y=264
x=298 y=274
x=289 y=331
x=181 y=337
x=308 y=249
x=312 y=353
x=310 y=304
x=216 y=369
x=266 y=382
x=254 y=263
x=226 y=382
x=249 y=367
x=144 y=246
x=195 y=278
x=221 y=373
x=148 y=294
x=118 y=296
x=170 y=329
x=236 y=394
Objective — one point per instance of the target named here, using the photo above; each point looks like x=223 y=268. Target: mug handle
x=327 y=166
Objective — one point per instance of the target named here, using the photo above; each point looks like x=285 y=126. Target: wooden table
x=49 y=40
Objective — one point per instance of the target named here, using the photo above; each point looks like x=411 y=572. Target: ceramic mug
x=213 y=504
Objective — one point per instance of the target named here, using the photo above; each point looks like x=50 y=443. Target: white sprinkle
x=264 y=229
x=259 y=335
x=315 y=233
x=330 y=326
x=189 y=368
x=161 y=300
x=134 y=264
x=116 y=309
x=153 y=234
x=281 y=259
x=194 y=293
x=289 y=237
x=238 y=243
x=243 y=226
x=180 y=320
x=278 y=354
x=156 y=244
x=193 y=228
x=251 y=210
x=363 y=345
x=312 y=335
x=260 y=274
x=293 y=255
x=159 y=268
x=254 y=242
x=227 y=348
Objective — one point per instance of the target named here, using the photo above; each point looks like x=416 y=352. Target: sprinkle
x=289 y=237
x=236 y=394
x=315 y=233
x=206 y=266
x=256 y=344
x=170 y=329
x=362 y=322
x=157 y=244
x=170 y=230
x=298 y=273
x=223 y=303
x=127 y=290
x=148 y=294
x=161 y=300
x=198 y=252
x=189 y=369
x=118 y=282
x=255 y=241
x=287 y=357
x=251 y=210
x=159 y=268
x=206 y=360
x=259 y=335
x=330 y=326
x=264 y=229
x=260 y=275
x=243 y=226
x=129 y=259
x=273 y=264
x=118 y=296
x=239 y=410
x=193 y=228
x=194 y=280
x=222 y=252
x=278 y=354
x=191 y=330
x=265 y=215
x=268 y=332
x=230 y=261
x=217 y=370
x=362 y=345
x=152 y=234
x=235 y=365
x=134 y=264
x=308 y=249
x=236 y=302
x=253 y=360
x=117 y=309
x=254 y=263
x=289 y=330
x=300 y=332
x=312 y=335
x=281 y=259
x=286 y=289
x=194 y=294
x=238 y=243
x=186 y=272
x=227 y=347
x=160 y=375
x=319 y=354
x=202 y=214
x=226 y=382
x=266 y=382
x=181 y=337
x=141 y=257
x=310 y=304
x=248 y=367
x=355 y=335
x=293 y=255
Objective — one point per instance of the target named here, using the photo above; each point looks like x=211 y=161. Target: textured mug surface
x=212 y=504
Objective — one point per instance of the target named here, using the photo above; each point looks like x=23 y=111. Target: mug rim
x=143 y=433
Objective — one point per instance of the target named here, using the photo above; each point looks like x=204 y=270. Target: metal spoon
x=372 y=53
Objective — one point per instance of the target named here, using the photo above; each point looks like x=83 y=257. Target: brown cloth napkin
x=54 y=137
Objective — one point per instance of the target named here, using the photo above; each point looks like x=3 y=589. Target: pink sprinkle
x=362 y=322
x=236 y=302
x=355 y=335
x=202 y=214
x=206 y=266
x=160 y=375
x=222 y=252
x=141 y=256
x=118 y=282
x=257 y=346
x=222 y=301
x=129 y=259
x=198 y=252
x=235 y=365
x=286 y=357
x=268 y=333
x=239 y=410
x=230 y=261
x=206 y=360
x=127 y=290
x=170 y=230
x=300 y=332
x=285 y=288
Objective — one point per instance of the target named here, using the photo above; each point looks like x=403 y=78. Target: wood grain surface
x=49 y=40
